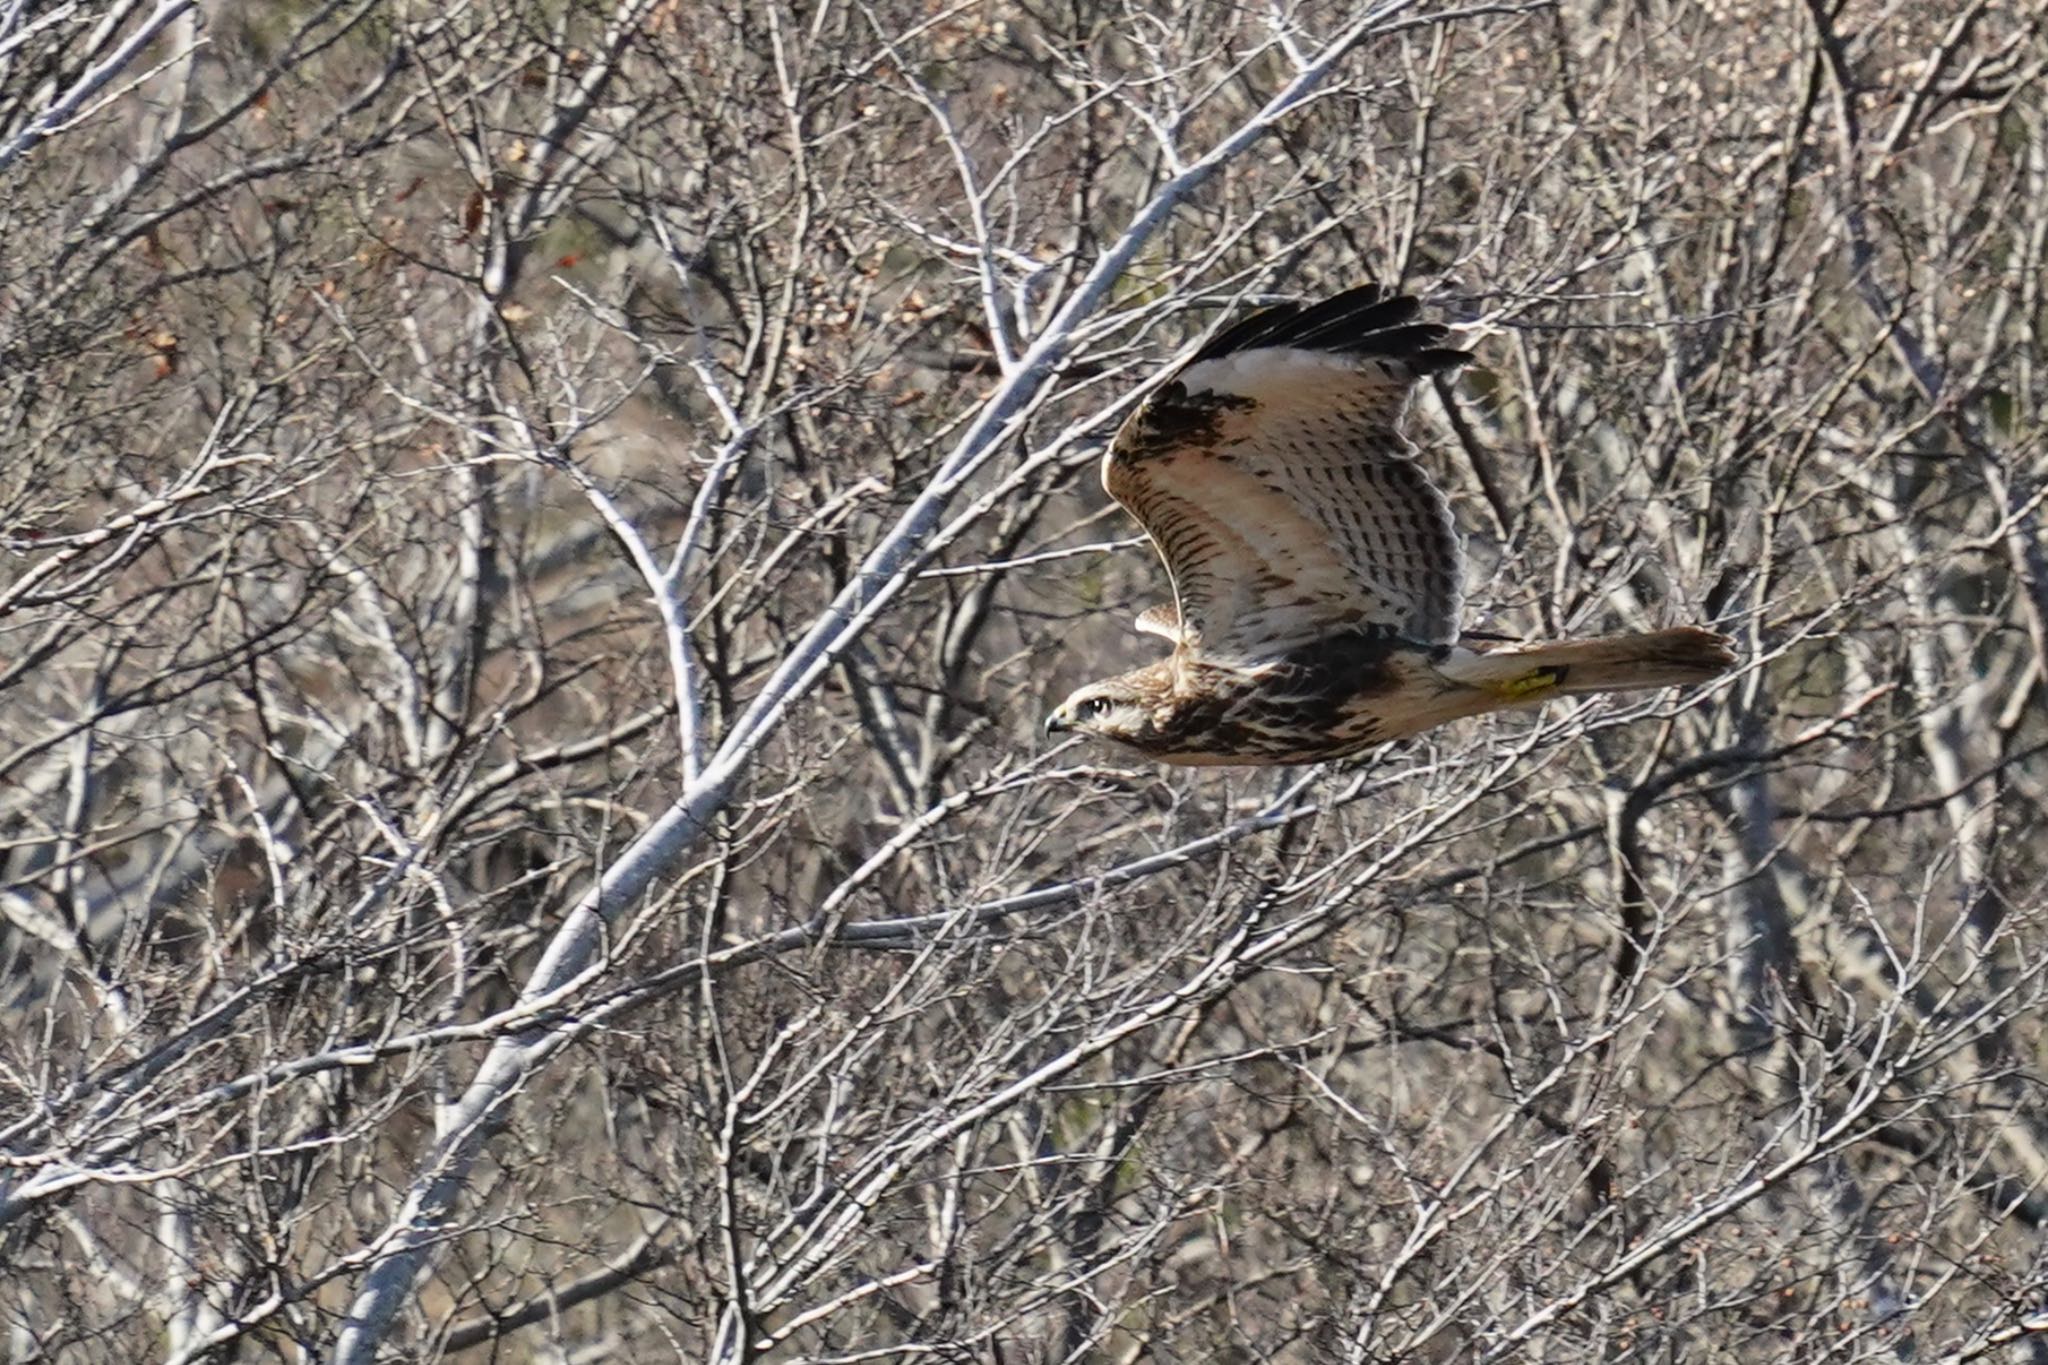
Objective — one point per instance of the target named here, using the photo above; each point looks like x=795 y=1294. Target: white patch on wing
x=1283 y=374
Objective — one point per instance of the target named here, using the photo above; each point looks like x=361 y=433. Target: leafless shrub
x=536 y=539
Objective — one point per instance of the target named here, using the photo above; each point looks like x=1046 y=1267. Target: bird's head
x=1115 y=709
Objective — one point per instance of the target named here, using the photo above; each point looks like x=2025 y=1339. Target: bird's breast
x=1313 y=702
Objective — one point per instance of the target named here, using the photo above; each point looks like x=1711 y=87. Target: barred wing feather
x=1272 y=476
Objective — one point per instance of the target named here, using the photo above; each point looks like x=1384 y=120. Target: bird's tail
x=1613 y=663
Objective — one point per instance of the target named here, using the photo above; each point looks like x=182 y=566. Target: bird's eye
x=1094 y=707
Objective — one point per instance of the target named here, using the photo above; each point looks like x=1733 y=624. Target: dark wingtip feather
x=1438 y=359
x=1367 y=320
x=1250 y=332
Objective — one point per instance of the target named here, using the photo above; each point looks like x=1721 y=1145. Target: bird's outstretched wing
x=1272 y=475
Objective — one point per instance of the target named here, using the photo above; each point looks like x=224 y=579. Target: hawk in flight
x=1317 y=576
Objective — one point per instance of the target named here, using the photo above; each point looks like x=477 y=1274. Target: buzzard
x=1317 y=576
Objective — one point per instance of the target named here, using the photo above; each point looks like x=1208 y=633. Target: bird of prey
x=1317 y=575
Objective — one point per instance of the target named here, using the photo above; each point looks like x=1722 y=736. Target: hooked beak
x=1055 y=723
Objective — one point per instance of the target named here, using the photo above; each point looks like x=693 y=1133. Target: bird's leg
x=1529 y=686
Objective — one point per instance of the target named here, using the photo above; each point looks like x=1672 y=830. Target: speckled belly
x=1331 y=699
